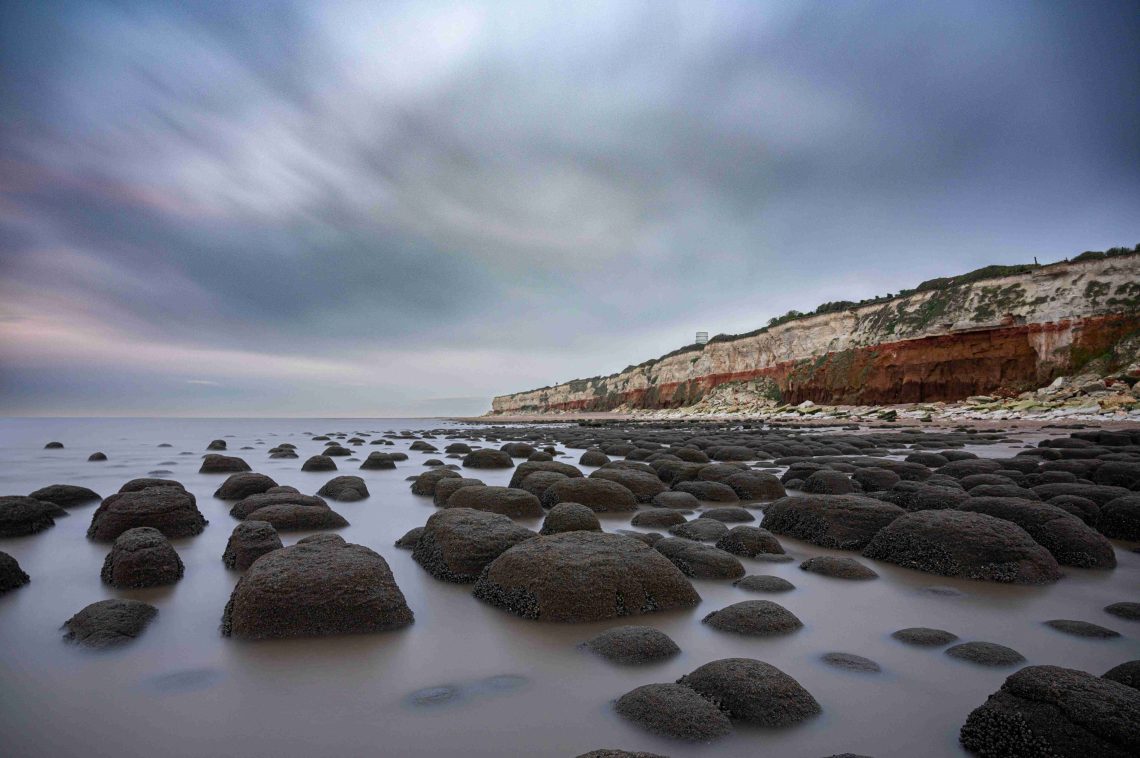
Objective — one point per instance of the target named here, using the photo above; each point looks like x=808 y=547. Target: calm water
x=183 y=690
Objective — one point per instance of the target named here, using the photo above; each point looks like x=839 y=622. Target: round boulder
x=844 y=522
x=673 y=710
x=320 y=586
x=924 y=636
x=11 y=575
x=488 y=458
x=109 y=623
x=632 y=645
x=170 y=510
x=456 y=544
x=964 y=544
x=599 y=495
x=570 y=517
x=838 y=568
x=516 y=503
x=238 y=486
x=755 y=618
x=346 y=489
x=657 y=518
x=222 y=464
x=583 y=576
x=698 y=560
x=249 y=541
x=749 y=541
x=753 y=692
x=65 y=495
x=21 y=516
x=764 y=583
x=1070 y=540
x=985 y=654
x=141 y=557
x=319 y=463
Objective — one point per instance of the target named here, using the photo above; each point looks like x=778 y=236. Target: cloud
x=433 y=197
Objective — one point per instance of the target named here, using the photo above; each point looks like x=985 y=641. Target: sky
x=403 y=209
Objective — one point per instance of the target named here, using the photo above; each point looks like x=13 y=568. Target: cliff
x=948 y=339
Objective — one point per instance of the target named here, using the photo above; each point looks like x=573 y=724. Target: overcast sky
x=383 y=208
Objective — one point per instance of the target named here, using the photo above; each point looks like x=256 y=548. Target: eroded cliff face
x=1005 y=334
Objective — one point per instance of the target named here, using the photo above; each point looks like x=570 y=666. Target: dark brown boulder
x=346 y=489
x=1054 y=711
x=249 y=541
x=753 y=692
x=321 y=586
x=170 y=510
x=1070 y=540
x=21 y=516
x=599 y=495
x=11 y=575
x=838 y=568
x=447 y=487
x=291 y=517
x=964 y=544
x=109 y=623
x=524 y=470
x=673 y=710
x=698 y=560
x=644 y=486
x=583 y=576
x=458 y=543
x=488 y=458
x=141 y=557
x=319 y=463
x=242 y=485
x=845 y=522
x=242 y=508
x=749 y=541
x=755 y=618
x=516 y=503
x=570 y=517
x=632 y=645
x=1120 y=518
x=425 y=482
x=65 y=495
x=222 y=464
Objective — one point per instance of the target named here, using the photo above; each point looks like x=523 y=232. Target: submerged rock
x=141 y=557
x=222 y=464
x=673 y=710
x=249 y=541
x=65 y=495
x=1127 y=673
x=750 y=541
x=698 y=560
x=599 y=495
x=170 y=510
x=320 y=586
x=985 y=653
x=109 y=623
x=583 y=576
x=851 y=662
x=838 y=568
x=243 y=485
x=844 y=522
x=964 y=544
x=924 y=636
x=570 y=517
x=1054 y=711
x=11 y=575
x=1081 y=629
x=753 y=692
x=488 y=458
x=516 y=503
x=764 y=583
x=756 y=618
x=1070 y=540
x=458 y=543
x=21 y=516
x=346 y=489
x=632 y=645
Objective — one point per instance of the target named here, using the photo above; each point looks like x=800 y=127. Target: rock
x=851 y=662
x=518 y=449
x=756 y=485
x=1070 y=540
x=524 y=470
x=292 y=517
x=538 y=482
x=109 y=623
x=137 y=485
x=599 y=495
x=249 y=541
x=964 y=544
x=319 y=463
x=924 y=636
x=336 y=451
x=764 y=583
x=1118 y=474
x=583 y=576
x=873 y=478
x=673 y=710
x=611 y=753
x=644 y=486
x=1081 y=629
x=752 y=692
x=1130 y=611
x=97 y=457
x=216 y=445
x=346 y=489
x=570 y=517
x=699 y=561
x=170 y=510
x=516 y=503
x=379 y=461
x=65 y=495
x=838 y=568
x=141 y=557
x=53 y=446
x=708 y=491
x=1127 y=673
x=660 y=518
x=706 y=530
x=238 y=486
x=632 y=645
x=828 y=483
x=246 y=506
x=593 y=457
x=21 y=516
x=1099 y=494
x=425 y=482
x=410 y=538
x=1054 y=711
x=488 y=458
x=985 y=653
x=448 y=486
x=844 y=522
x=222 y=464
x=729 y=514
x=683 y=501
x=749 y=541
x=458 y=543
x=1120 y=518
x=11 y=575
x=755 y=618
x=1081 y=507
